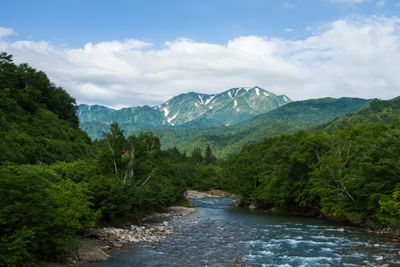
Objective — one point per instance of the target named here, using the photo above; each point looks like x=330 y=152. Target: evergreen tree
x=197 y=155
x=209 y=157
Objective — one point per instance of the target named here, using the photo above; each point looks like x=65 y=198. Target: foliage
x=41 y=214
x=346 y=171
x=37 y=119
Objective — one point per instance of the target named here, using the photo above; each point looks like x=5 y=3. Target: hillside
x=37 y=119
x=377 y=111
x=288 y=118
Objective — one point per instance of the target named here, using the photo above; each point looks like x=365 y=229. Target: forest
x=56 y=185
x=347 y=170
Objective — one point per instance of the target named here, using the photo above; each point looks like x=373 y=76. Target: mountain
x=288 y=118
x=190 y=110
x=378 y=111
x=96 y=119
x=229 y=107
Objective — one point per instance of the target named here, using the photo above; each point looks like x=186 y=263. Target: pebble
x=376 y=245
x=148 y=233
x=366 y=262
x=380 y=258
x=384 y=265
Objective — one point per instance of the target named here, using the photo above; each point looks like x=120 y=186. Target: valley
x=318 y=163
x=216 y=123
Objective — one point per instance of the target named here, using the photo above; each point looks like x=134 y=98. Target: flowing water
x=219 y=234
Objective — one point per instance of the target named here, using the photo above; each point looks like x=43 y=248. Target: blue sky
x=124 y=53
x=75 y=22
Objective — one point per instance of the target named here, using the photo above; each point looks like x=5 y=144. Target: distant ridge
x=189 y=110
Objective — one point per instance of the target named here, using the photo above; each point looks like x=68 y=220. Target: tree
x=197 y=155
x=113 y=147
x=209 y=158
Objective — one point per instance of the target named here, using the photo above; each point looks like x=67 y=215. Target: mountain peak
x=202 y=110
x=230 y=106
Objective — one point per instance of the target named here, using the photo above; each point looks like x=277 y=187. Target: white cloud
x=349 y=57
x=6 y=31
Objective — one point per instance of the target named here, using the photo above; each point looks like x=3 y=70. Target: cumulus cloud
x=349 y=57
x=6 y=31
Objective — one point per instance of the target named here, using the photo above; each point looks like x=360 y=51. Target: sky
x=128 y=53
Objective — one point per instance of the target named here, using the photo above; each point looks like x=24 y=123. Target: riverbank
x=155 y=228
x=213 y=236
x=213 y=193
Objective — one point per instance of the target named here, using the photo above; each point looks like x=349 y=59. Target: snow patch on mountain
x=172 y=118
x=208 y=100
x=165 y=112
x=201 y=99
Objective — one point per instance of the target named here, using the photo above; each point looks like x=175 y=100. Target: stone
x=252 y=206
x=89 y=252
x=340 y=229
x=380 y=258
x=366 y=262
x=385 y=265
x=376 y=245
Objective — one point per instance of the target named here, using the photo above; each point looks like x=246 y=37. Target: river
x=220 y=234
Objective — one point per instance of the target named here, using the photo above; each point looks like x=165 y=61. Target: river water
x=219 y=234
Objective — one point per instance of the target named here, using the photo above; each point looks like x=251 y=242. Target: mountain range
x=294 y=116
x=190 y=110
x=226 y=121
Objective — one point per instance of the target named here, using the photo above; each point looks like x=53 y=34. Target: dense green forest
x=347 y=170
x=55 y=185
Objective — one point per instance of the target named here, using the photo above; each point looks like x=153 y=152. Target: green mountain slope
x=377 y=111
x=37 y=119
x=288 y=118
